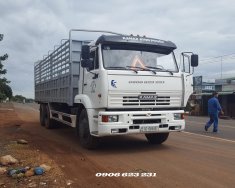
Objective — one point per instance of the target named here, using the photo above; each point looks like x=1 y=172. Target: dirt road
x=184 y=160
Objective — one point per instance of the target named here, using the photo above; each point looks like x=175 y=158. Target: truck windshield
x=124 y=59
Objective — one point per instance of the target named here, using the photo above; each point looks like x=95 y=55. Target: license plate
x=148 y=129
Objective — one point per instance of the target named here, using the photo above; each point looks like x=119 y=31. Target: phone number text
x=127 y=174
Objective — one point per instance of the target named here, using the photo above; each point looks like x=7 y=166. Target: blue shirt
x=213 y=106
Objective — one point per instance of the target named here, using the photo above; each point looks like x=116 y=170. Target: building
x=204 y=90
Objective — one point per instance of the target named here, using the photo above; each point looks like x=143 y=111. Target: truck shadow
x=64 y=138
x=129 y=143
x=120 y=143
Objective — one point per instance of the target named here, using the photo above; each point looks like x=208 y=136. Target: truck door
x=90 y=77
x=187 y=77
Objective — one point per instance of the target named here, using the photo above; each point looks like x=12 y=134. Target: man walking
x=213 y=110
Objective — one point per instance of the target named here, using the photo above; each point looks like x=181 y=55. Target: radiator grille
x=131 y=99
x=135 y=101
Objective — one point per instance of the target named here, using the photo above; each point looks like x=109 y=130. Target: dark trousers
x=213 y=119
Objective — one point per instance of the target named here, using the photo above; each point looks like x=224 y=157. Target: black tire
x=157 y=138
x=42 y=115
x=49 y=123
x=86 y=139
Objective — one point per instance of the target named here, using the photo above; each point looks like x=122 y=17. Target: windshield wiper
x=142 y=68
x=160 y=68
x=122 y=68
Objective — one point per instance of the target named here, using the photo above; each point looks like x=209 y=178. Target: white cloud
x=32 y=28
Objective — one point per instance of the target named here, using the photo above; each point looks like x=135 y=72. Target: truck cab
x=133 y=85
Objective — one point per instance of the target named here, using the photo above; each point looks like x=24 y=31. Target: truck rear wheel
x=157 y=138
x=42 y=114
x=86 y=139
x=49 y=123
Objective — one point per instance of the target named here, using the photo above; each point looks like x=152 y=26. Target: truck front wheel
x=157 y=138
x=86 y=139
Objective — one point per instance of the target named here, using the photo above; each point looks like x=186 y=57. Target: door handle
x=85 y=84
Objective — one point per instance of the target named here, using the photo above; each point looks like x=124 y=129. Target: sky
x=32 y=27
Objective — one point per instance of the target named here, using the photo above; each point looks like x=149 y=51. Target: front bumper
x=134 y=122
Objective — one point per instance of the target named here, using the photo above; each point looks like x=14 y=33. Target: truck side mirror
x=194 y=60
x=87 y=63
x=85 y=52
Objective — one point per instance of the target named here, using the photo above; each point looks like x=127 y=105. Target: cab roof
x=136 y=40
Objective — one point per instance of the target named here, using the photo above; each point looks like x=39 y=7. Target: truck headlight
x=109 y=118
x=178 y=116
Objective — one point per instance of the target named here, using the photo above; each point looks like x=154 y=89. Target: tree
x=1 y=37
x=19 y=98
x=2 y=70
x=5 y=90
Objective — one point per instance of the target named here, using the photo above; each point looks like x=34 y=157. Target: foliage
x=5 y=90
x=2 y=96
x=2 y=71
x=19 y=98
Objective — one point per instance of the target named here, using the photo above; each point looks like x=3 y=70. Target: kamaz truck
x=116 y=84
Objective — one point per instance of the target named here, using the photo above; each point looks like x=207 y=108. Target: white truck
x=115 y=85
